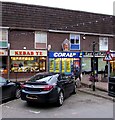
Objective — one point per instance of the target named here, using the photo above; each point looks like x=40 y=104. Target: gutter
x=58 y=31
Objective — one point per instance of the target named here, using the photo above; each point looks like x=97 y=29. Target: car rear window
x=46 y=79
x=39 y=78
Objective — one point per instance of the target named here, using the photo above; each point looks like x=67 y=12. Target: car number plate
x=32 y=97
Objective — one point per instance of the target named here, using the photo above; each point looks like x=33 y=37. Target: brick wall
x=20 y=39
x=56 y=40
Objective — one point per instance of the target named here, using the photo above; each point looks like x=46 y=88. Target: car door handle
x=66 y=82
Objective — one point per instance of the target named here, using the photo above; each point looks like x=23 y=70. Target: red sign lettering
x=16 y=52
x=27 y=53
x=40 y=53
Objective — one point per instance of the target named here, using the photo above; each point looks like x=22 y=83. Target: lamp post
x=8 y=61
x=84 y=38
x=93 y=81
x=48 y=49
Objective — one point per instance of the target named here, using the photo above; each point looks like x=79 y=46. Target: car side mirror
x=7 y=81
x=72 y=77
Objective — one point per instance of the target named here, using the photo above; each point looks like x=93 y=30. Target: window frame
x=101 y=41
x=75 y=43
x=35 y=41
x=6 y=37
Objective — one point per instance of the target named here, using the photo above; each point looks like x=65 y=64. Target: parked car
x=48 y=88
x=9 y=89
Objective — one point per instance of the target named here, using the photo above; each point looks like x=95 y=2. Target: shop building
x=31 y=29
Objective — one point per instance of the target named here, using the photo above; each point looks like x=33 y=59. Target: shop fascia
x=64 y=54
x=28 y=53
x=97 y=54
x=3 y=52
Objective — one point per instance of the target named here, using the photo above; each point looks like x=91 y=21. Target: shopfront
x=87 y=62
x=3 y=61
x=63 y=62
x=24 y=61
x=113 y=61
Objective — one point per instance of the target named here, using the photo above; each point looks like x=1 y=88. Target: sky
x=94 y=6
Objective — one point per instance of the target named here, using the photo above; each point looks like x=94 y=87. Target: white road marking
x=7 y=106
x=36 y=112
x=74 y=113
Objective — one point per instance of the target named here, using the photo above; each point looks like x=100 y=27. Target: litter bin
x=111 y=87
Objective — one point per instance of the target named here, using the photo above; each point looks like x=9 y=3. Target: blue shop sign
x=64 y=54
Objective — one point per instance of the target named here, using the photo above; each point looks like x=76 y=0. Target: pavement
x=101 y=87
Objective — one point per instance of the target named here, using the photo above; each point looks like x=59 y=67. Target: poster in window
x=51 y=65
x=63 y=65
x=68 y=68
x=57 y=65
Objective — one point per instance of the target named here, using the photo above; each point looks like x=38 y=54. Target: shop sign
x=64 y=54
x=28 y=53
x=3 y=53
x=97 y=54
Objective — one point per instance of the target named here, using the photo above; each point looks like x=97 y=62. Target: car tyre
x=75 y=89
x=17 y=93
x=60 y=99
x=29 y=103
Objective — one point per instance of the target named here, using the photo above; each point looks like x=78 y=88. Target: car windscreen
x=2 y=80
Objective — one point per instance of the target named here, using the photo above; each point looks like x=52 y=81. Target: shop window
x=3 y=65
x=101 y=67
x=28 y=64
x=103 y=43
x=40 y=40
x=3 y=38
x=86 y=64
x=75 y=42
x=63 y=65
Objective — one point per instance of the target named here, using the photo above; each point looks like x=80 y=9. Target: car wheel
x=60 y=99
x=17 y=93
x=29 y=103
x=75 y=89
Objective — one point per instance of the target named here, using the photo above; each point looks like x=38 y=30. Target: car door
x=7 y=89
x=66 y=84
x=69 y=84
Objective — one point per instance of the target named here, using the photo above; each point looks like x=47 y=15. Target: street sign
x=108 y=56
